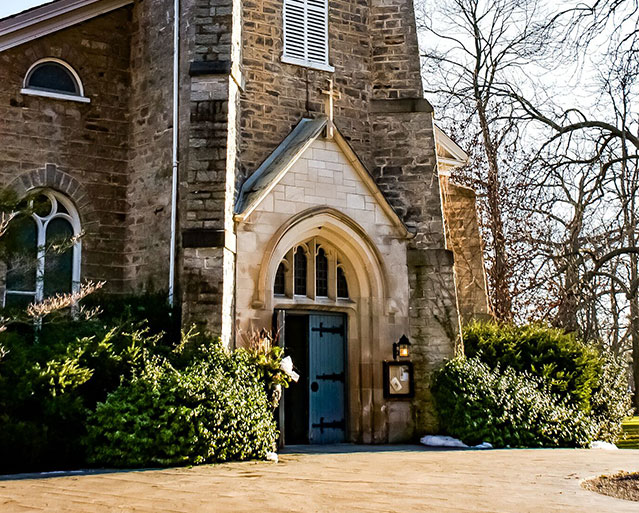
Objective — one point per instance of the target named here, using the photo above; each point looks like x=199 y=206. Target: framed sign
x=398 y=380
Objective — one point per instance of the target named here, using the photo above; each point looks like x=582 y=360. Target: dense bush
x=214 y=409
x=570 y=367
x=506 y=408
x=568 y=379
x=53 y=378
x=48 y=386
x=611 y=400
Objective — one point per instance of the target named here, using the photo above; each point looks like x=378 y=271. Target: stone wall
x=77 y=148
x=211 y=53
x=150 y=113
x=464 y=239
x=278 y=95
x=406 y=170
x=395 y=52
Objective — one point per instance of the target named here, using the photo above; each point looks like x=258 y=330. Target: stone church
x=267 y=163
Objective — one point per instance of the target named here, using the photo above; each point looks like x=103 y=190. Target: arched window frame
x=42 y=223
x=80 y=97
x=284 y=266
x=311 y=249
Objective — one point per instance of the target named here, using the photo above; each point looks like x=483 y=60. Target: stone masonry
x=237 y=102
x=464 y=239
x=72 y=146
x=381 y=112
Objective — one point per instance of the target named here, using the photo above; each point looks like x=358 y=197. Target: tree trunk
x=499 y=273
x=634 y=330
x=569 y=297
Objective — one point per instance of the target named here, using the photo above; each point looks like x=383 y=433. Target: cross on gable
x=331 y=96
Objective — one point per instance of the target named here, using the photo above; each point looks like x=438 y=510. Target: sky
x=8 y=7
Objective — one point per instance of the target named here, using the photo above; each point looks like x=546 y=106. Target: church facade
x=272 y=164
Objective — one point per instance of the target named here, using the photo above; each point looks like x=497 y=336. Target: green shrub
x=506 y=408
x=570 y=367
x=214 y=409
x=611 y=400
x=574 y=372
x=51 y=378
x=48 y=387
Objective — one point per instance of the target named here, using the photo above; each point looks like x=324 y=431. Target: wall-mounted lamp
x=401 y=348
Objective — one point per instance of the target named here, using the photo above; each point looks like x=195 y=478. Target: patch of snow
x=449 y=441
x=442 y=441
x=272 y=456
x=607 y=446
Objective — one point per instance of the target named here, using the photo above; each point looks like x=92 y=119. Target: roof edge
x=443 y=139
x=244 y=208
x=248 y=200
x=370 y=182
x=46 y=19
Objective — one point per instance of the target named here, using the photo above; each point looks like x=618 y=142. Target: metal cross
x=331 y=96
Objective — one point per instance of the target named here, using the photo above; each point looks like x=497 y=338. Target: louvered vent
x=306 y=31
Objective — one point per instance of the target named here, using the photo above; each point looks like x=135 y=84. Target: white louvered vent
x=306 y=33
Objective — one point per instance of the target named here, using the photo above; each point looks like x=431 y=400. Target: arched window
x=321 y=273
x=300 y=277
x=279 y=287
x=43 y=251
x=54 y=78
x=300 y=269
x=342 y=284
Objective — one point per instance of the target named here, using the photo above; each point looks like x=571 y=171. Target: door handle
x=314 y=386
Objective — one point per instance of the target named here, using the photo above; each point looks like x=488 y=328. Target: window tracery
x=44 y=251
x=321 y=277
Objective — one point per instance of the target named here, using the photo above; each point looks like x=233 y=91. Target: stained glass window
x=321 y=274
x=299 y=267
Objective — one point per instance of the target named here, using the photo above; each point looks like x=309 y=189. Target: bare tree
x=599 y=265
x=472 y=47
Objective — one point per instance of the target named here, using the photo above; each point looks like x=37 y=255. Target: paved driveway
x=343 y=479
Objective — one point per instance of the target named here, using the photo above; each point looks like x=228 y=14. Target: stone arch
x=53 y=178
x=47 y=48
x=367 y=310
x=363 y=261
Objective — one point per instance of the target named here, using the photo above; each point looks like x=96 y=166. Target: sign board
x=398 y=380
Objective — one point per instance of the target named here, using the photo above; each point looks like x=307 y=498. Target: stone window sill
x=55 y=96
x=307 y=64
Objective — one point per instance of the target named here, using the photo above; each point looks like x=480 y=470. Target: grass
x=630 y=437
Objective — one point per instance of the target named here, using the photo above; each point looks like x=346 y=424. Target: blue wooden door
x=327 y=377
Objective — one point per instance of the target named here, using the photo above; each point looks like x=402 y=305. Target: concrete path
x=343 y=479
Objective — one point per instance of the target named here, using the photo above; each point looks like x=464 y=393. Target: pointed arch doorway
x=345 y=267
x=313 y=410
